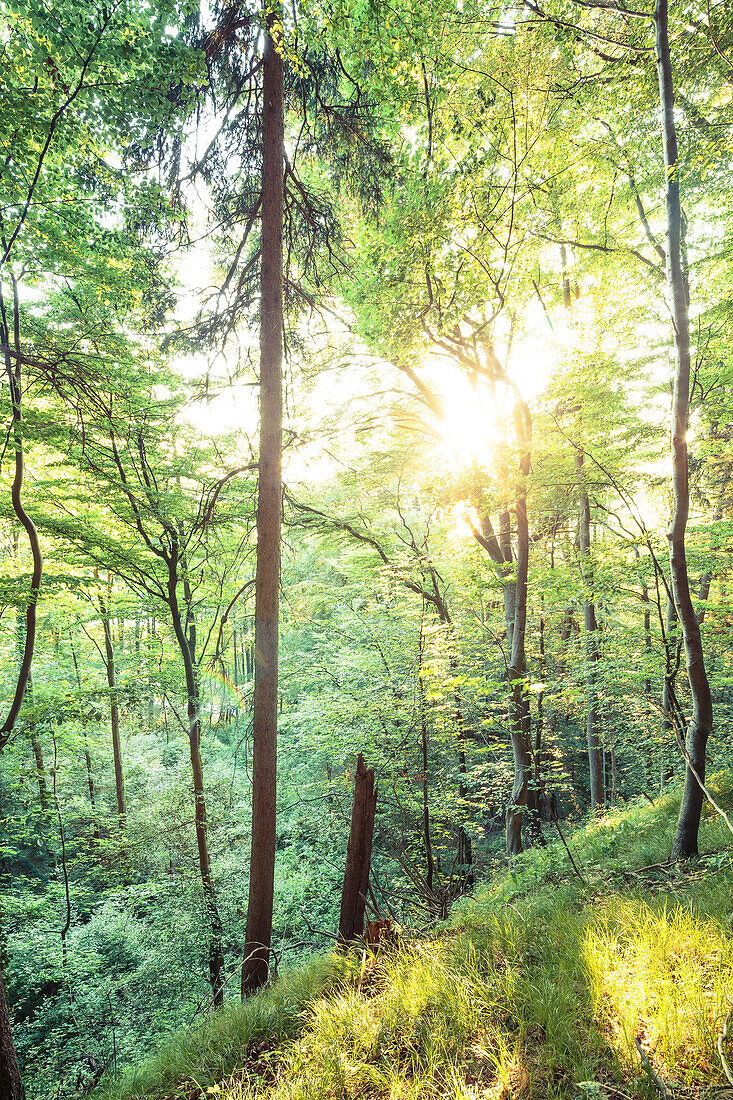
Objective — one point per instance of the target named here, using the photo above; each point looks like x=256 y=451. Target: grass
x=210 y=1050
x=542 y=986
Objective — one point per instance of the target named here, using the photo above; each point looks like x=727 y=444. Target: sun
x=472 y=423
x=475 y=420
x=470 y=427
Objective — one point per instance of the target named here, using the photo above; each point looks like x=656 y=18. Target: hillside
x=611 y=980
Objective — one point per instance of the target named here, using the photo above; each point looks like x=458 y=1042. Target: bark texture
x=255 y=969
x=11 y=1087
x=358 y=855
x=701 y=721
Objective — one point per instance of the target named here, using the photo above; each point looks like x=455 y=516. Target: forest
x=368 y=392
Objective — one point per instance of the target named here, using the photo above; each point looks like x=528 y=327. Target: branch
x=721 y=1039
x=55 y=118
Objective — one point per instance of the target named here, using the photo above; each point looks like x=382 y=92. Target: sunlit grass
x=538 y=988
x=659 y=975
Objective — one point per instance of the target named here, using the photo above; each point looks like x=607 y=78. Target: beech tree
x=701 y=722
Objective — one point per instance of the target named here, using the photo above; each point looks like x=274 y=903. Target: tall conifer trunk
x=269 y=505
x=701 y=722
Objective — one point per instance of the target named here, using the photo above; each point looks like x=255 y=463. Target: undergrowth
x=607 y=980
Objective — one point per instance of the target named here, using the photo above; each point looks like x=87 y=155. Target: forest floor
x=613 y=979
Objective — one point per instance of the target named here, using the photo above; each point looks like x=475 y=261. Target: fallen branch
x=721 y=1039
x=317 y=931
x=705 y=791
x=570 y=854
x=650 y=1070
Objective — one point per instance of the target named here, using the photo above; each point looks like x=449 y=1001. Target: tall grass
x=211 y=1049
x=545 y=985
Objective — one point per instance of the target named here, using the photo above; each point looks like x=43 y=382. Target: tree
x=701 y=722
x=255 y=969
x=104 y=602
x=11 y=1087
x=595 y=760
x=149 y=488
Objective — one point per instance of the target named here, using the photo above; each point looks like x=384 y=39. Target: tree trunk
x=114 y=710
x=672 y=718
x=11 y=1087
x=701 y=722
x=186 y=645
x=255 y=969
x=540 y=726
x=14 y=379
x=430 y=869
x=517 y=674
x=358 y=855
x=592 y=656
x=87 y=754
x=465 y=854
x=707 y=578
x=535 y=793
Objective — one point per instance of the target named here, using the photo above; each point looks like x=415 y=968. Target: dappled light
x=366 y=550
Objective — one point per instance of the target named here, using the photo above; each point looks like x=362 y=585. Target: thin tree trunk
x=186 y=640
x=701 y=723
x=255 y=969
x=592 y=655
x=540 y=726
x=14 y=379
x=520 y=742
x=40 y=763
x=465 y=853
x=31 y=728
x=707 y=577
x=464 y=856
x=430 y=870
x=109 y=666
x=551 y=718
x=535 y=794
x=672 y=718
x=11 y=1086
x=37 y=748
x=648 y=646
x=64 y=862
x=87 y=753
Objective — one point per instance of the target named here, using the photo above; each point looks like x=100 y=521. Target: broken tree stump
x=358 y=855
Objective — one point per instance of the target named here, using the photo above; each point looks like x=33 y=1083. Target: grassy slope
x=541 y=986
